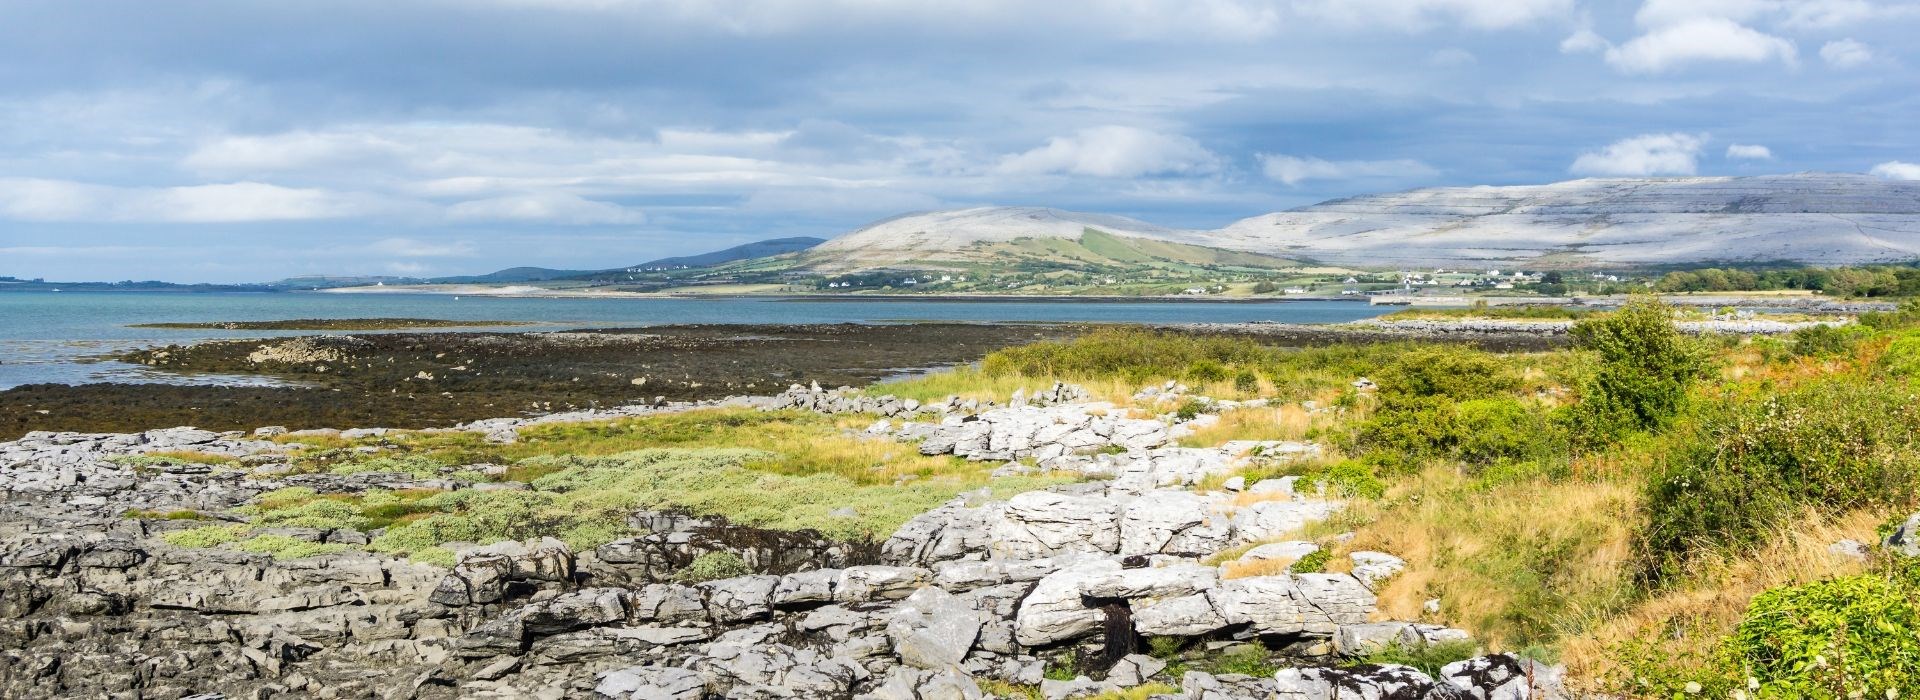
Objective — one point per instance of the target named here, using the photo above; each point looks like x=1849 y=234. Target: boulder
x=1041 y=524
x=1373 y=568
x=1366 y=682
x=1905 y=539
x=1506 y=677
x=1134 y=669
x=933 y=629
x=1055 y=610
x=1173 y=522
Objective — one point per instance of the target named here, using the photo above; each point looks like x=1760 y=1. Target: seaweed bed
x=329 y=324
x=419 y=380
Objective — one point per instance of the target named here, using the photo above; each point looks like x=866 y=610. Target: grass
x=168 y=457
x=137 y=514
x=1517 y=564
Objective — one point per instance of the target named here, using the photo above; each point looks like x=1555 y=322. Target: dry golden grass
x=1517 y=564
x=1283 y=422
x=1260 y=567
x=1689 y=619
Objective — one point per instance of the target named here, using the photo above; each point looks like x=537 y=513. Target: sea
x=60 y=337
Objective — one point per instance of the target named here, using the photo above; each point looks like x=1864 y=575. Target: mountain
x=513 y=274
x=1815 y=218
x=748 y=251
x=984 y=235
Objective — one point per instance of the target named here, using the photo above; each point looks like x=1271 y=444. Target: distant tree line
x=1866 y=281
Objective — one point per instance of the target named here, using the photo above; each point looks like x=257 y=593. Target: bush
x=1823 y=340
x=1644 y=372
x=1428 y=658
x=1348 y=479
x=1207 y=371
x=1907 y=316
x=1902 y=358
x=1246 y=382
x=1834 y=446
x=712 y=566
x=1830 y=639
x=283 y=547
x=1313 y=563
x=1439 y=371
x=202 y=537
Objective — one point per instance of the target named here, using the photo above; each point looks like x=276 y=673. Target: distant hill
x=514 y=274
x=1809 y=218
x=747 y=251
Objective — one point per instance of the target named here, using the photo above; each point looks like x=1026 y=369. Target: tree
x=1552 y=277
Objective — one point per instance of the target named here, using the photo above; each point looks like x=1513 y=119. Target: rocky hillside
x=1809 y=218
x=1812 y=218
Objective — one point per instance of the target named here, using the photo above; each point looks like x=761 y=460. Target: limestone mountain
x=1814 y=218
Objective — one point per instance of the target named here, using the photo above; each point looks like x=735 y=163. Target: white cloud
x=1115 y=151
x=1643 y=156
x=1846 y=53
x=29 y=199
x=1584 y=41
x=546 y=208
x=1417 y=15
x=413 y=248
x=1742 y=151
x=1897 y=170
x=1659 y=13
x=1293 y=170
x=1696 y=40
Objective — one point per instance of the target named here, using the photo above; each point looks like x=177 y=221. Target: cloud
x=1643 y=156
x=31 y=199
x=1897 y=170
x=1846 y=53
x=1293 y=170
x=1584 y=41
x=1420 y=15
x=545 y=208
x=1699 y=40
x=1741 y=151
x=413 y=248
x=1115 y=151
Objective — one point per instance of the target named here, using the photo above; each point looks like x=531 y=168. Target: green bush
x=202 y=537
x=1429 y=658
x=1644 y=371
x=283 y=547
x=712 y=566
x=1246 y=659
x=1836 y=445
x=1907 y=316
x=1902 y=358
x=1313 y=563
x=1823 y=340
x=1445 y=372
x=1246 y=382
x=1206 y=371
x=1347 y=479
x=1831 y=639
x=324 y=514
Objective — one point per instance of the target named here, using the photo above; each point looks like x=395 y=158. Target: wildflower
x=1693 y=687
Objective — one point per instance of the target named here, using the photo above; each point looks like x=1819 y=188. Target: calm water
x=45 y=336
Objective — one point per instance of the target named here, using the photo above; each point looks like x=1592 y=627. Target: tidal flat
x=437 y=379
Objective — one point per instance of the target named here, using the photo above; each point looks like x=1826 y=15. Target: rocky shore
x=1058 y=588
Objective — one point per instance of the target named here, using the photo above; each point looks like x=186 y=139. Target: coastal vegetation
x=327 y=324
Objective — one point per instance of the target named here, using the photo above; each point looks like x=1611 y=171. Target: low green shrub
x=712 y=566
x=1831 y=639
x=1247 y=659
x=203 y=537
x=282 y=547
x=1313 y=563
x=1823 y=340
x=1347 y=478
x=1429 y=658
x=1835 y=445
x=1902 y=358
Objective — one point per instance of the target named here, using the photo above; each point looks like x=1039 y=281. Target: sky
x=238 y=140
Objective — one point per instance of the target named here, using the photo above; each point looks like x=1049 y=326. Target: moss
x=203 y=537
x=1313 y=563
